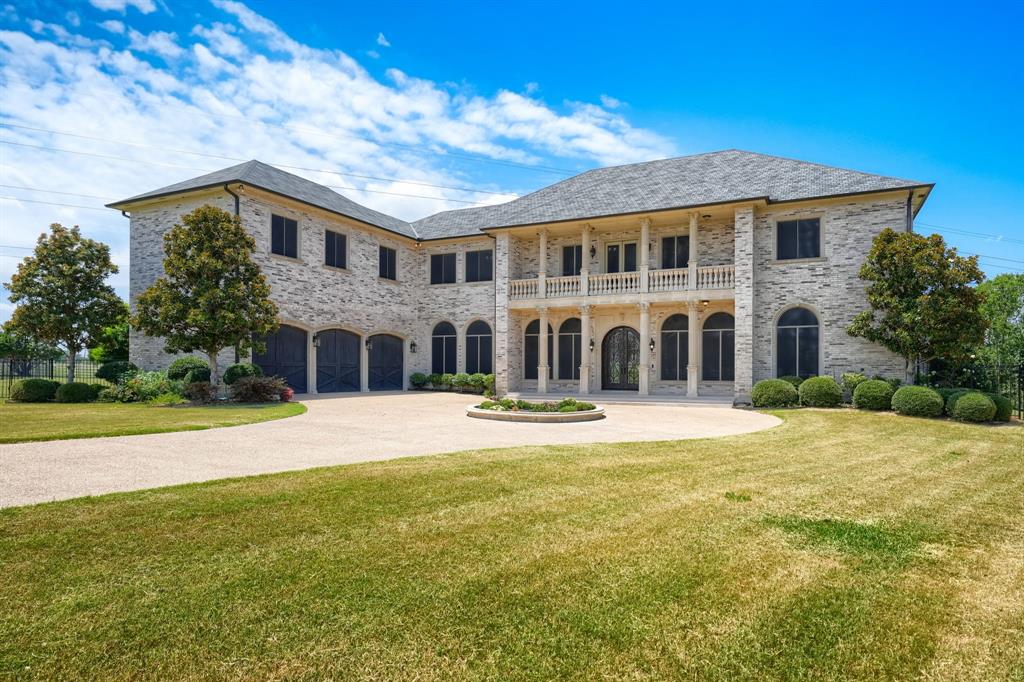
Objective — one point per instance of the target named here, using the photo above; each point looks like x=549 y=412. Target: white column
x=310 y=364
x=585 y=350
x=542 y=353
x=743 y=251
x=691 y=272
x=645 y=351
x=692 y=365
x=645 y=252
x=502 y=323
x=585 y=265
x=542 y=265
x=364 y=365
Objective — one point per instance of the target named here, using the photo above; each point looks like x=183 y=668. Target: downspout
x=910 y=213
x=227 y=188
x=494 y=297
x=125 y=214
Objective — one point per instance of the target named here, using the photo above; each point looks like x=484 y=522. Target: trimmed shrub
x=774 y=393
x=286 y=394
x=434 y=380
x=796 y=381
x=1004 y=407
x=114 y=371
x=179 y=369
x=583 y=407
x=258 y=389
x=197 y=374
x=478 y=381
x=33 y=390
x=143 y=387
x=167 y=399
x=820 y=392
x=418 y=380
x=75 y=392
x=974 y=407
x=917 y=401
x=201 y=392
x=97 y=389
x=873 y=394
x=239 y=370
x=460 y=381
x=446 y=381
x=895 y=383
x=954 y=397
x=851 y=380
x=489 y=384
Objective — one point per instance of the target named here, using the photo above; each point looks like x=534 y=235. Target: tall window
x=479 y=266
x=284 y=236
x=335 y=245
x=569 y=350
x=620 y=257
x=572 y=260
x=442 y=268
x=675 y=349
x=675 y=252
x=479 y=343
x=531 y=350
x=443 y=349
x=798 y=239
x=797 y=344
x=388 y=263
x=718 y=353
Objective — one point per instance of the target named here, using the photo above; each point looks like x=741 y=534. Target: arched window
x=569 y=349
x=443 y=349
x=718 y=355
x=675 y=348
x=479 y=343
x=797 y=344
x=531 y=350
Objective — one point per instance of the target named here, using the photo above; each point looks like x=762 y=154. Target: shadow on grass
x=879 y=542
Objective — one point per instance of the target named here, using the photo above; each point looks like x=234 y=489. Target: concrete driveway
x=338 y=429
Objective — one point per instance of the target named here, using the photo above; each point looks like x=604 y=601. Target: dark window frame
x=284 y=233
x=445 y=345
x=335 y=249
x=675 y=346
x=798 y=239
x=387 y=263
x=445 y=271
x=670 y=258
x=571 y=340
x=718 y=341
x=574 y=264
x=479 y=348
x=480 y=265
x=802 y=333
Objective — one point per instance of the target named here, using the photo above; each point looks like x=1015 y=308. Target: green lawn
x=21 y=422
x=838 y=545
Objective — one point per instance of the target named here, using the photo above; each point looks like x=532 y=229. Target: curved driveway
x=339 y=429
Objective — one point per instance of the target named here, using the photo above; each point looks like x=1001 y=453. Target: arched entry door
x=337 y=361
x=386 y=371
x=285 y=356
x=620 y=360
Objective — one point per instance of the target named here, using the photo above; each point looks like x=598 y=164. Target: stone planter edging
x=535 y=417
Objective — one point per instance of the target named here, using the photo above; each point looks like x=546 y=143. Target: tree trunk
x=72 y=353
x=214 y=369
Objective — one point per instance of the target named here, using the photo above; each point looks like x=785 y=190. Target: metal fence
x=12 y=369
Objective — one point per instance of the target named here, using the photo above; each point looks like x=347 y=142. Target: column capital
x=645 y=222
x=644 y=306
x=543 y=310
x=585 y=309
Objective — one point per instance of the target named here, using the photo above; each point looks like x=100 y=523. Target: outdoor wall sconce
x=369 y=343
x=705 y=303
x=591 y=345
x=652 y=345
x=316 y=340
x=593 y=250
x=412 y=346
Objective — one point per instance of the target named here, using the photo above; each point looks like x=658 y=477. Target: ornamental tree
x=113 y=341
x=212 y=295
x=61 y=292
x=924 y=305
x=1003 y=310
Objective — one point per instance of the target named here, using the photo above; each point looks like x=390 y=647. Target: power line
x=55 y=203
x=234 y=158
x=956 y=230
x=53 y=191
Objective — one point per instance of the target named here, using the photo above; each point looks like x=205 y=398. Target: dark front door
x=337 y=361
x=285 y=356
x=620 y=360
x=386 y=372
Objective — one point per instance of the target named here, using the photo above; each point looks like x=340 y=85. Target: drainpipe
x=910 y=219
x=227 y=188
x=125 y=214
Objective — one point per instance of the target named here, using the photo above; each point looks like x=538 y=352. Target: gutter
x=227 y=188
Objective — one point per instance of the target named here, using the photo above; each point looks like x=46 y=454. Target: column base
x=542 y=379
x=692 y=382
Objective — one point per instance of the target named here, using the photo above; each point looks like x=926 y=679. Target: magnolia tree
x=1003 y=309
x=212 y=295
x=924 y=302
x=61 y=293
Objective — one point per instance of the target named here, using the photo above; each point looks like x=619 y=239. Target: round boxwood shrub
x=33 y=390
x=239 y=370
x=820 y=392
x=179 y=369
x=113 y=371
x=197 y=375
x=873 y=394
x=1004 y=407
x=954 y=397
x=774 y=393
x=75 y=392
x=917 y=401
x=796 y=381
x=974 y=407
x=97 y=389
x=418 y=379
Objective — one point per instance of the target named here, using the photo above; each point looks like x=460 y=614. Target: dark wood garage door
x=285 y=357
x=337 y=361
x=386 y=371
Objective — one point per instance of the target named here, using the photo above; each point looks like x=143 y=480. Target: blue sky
x=413 y=108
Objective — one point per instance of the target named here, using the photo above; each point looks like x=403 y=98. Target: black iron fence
x=1007 y=380
x=12 y=369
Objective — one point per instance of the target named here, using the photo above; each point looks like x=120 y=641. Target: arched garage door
x=285 y=357
x=386 y=371
x=337 y=361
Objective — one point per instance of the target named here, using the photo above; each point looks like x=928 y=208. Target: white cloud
x=112 y=25
x=532 y=87
x=373 y=54
x=610 y=102
x=159 y=43
x=73 y=19
x=382 y=41
x=144 y=6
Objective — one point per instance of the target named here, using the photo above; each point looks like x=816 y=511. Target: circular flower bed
x=508 y=409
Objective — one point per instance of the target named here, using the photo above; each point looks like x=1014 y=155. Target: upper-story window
x=284 y=236
x=572 y=260
x=620 y=257
x=335 y=249
x=388 y=263
x=442 y=268
x=798 y=239
x=479 y=266
x=675 y=252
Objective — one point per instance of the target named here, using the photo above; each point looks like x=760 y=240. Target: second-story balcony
x=712 y=278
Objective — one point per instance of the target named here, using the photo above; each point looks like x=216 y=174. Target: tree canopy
x=113 y=341
x=1003 y=310
x=212 y=294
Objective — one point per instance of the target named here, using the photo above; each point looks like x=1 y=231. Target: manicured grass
x=20 y=422
x=840 y=545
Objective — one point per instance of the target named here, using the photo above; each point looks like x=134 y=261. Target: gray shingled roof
x=267 y=177
x=699 y=180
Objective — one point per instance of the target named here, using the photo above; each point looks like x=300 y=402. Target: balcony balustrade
x=713 y=277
